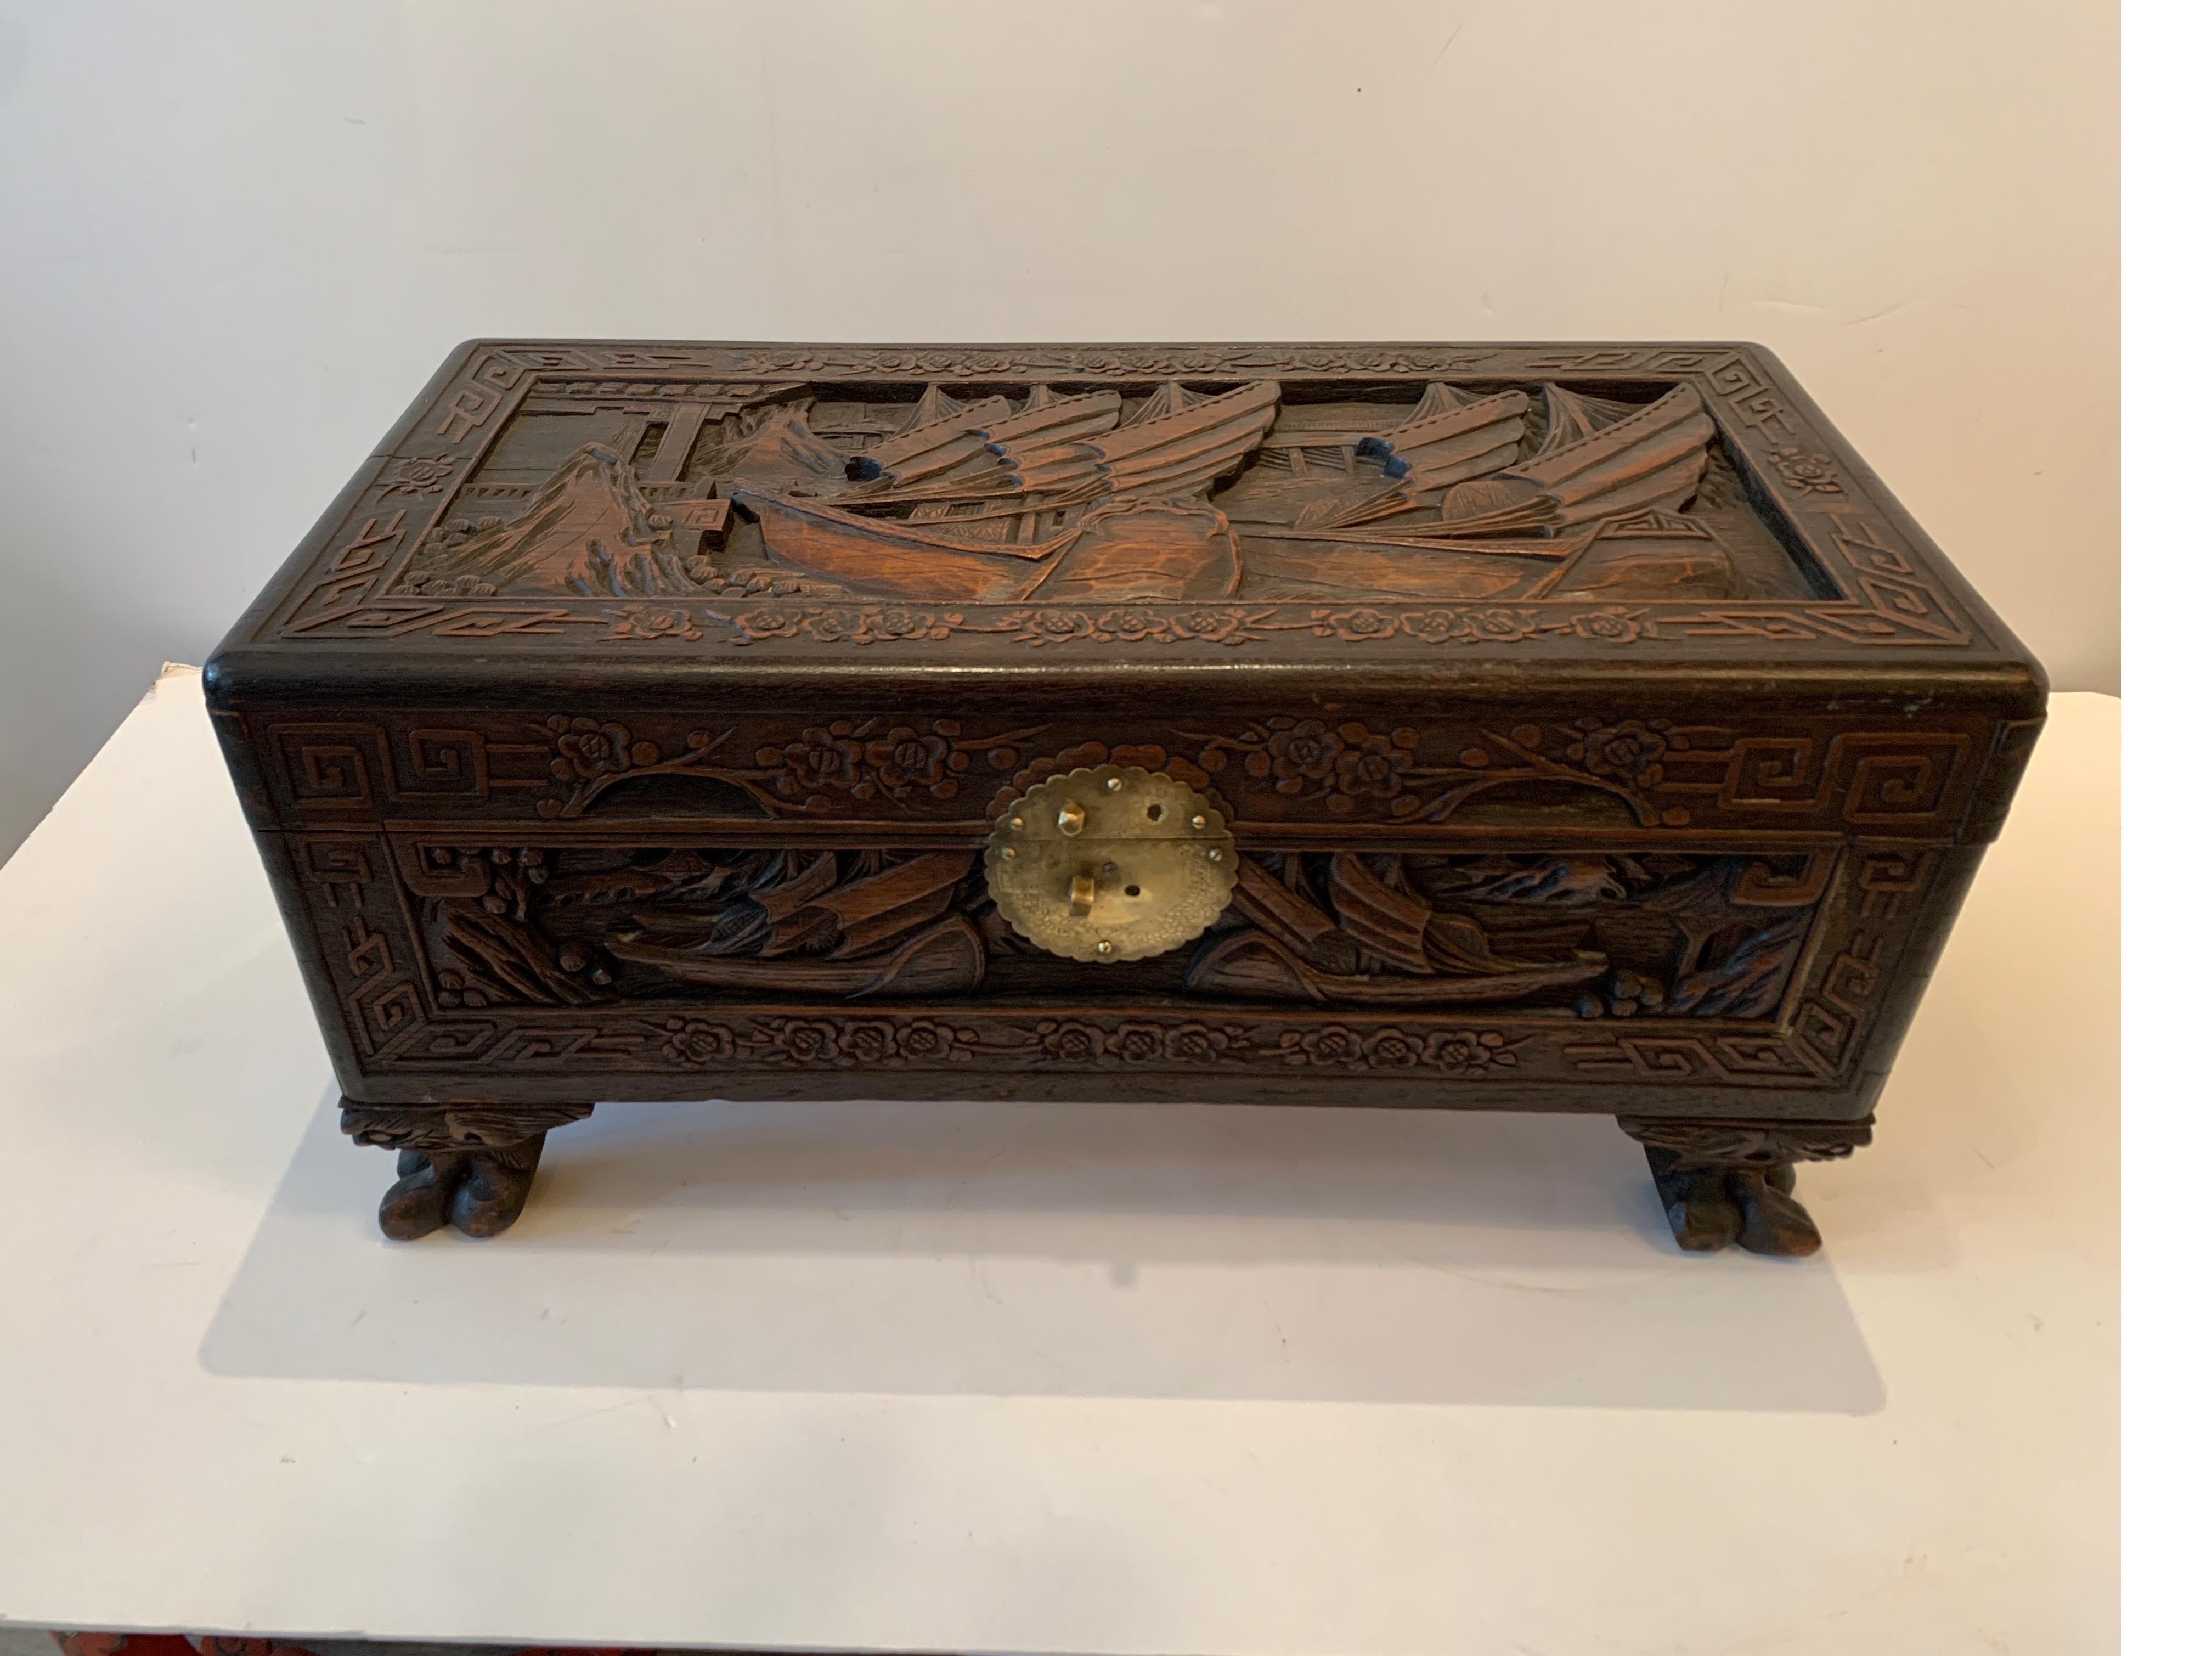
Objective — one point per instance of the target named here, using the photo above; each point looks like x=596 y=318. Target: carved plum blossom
x=869 y=1042
x=1633 y=752
x=1138 y=1043
x=1052 y=626
x=1806 y=471
x=653 y=621
x=1196 y=1043
x=1216 y=626
x=1430 y=626
x=1499 y=626
x=824 y=758
x=1071 y=1043
x=693 y=1042
x=1392 y=1049
x=420 y=474
x=1298 y=752
x=905 y=624
x=1130 y=624
x=835 y=626
x=751 y=626
x=809 y=1040
x=587 y=750
x=1373 y=765
x=1610 y=625
x=906 y=759
x=926 y=1043
x=1466 y=1049
x=1356 y=626
x=1332 y=1045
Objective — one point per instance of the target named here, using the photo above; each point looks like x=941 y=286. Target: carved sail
x=1652 y=457
x=1451 y=438
x=957 y=456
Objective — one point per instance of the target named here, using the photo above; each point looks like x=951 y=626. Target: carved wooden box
x=1570 y=728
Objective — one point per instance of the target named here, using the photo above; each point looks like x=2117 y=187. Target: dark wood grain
x=1596 y=731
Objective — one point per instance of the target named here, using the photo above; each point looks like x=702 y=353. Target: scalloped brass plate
x=1110 y=864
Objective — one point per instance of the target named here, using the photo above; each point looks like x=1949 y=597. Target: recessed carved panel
x=1644 y=934
x=1084 y=497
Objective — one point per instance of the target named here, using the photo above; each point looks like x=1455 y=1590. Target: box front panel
x=1545 y=905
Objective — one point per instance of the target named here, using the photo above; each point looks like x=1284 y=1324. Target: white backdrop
x=235 y=238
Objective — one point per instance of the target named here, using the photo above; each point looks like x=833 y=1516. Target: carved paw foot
x=478 y=1193
x=1713 y=1207
x=1725 y=1181
x=469 y=1165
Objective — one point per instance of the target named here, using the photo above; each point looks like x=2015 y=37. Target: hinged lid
x=995 y=522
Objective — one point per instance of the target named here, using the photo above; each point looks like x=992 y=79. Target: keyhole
x=1131 y=890
x=1154 y=813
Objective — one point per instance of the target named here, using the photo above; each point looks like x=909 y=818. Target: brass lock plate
x=1111 y=863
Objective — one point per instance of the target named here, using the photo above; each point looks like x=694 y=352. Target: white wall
x=235 y=238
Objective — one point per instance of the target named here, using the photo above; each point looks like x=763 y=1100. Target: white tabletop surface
x=1005 y=1377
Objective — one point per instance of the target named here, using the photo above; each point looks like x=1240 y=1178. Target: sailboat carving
x=806 y=925
x=1377 y=943
x=986 y=503
x=1459 y=512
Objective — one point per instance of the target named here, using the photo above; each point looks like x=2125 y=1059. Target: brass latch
x=1112 y=863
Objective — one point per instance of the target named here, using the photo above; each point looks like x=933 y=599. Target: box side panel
x=317 y=942
x=2014 y=742
x=1936 y=898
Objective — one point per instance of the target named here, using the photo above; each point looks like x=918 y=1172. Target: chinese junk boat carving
x=724 y=720
x=1062 y=497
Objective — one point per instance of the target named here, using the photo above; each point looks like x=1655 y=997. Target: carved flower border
x=820 y=1043
x=1347 y=768
x=1229 y=625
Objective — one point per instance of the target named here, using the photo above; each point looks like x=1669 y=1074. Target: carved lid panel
x=748 y=510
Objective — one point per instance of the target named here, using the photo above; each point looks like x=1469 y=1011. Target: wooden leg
x=469 y=1164
x=1723 y=1182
